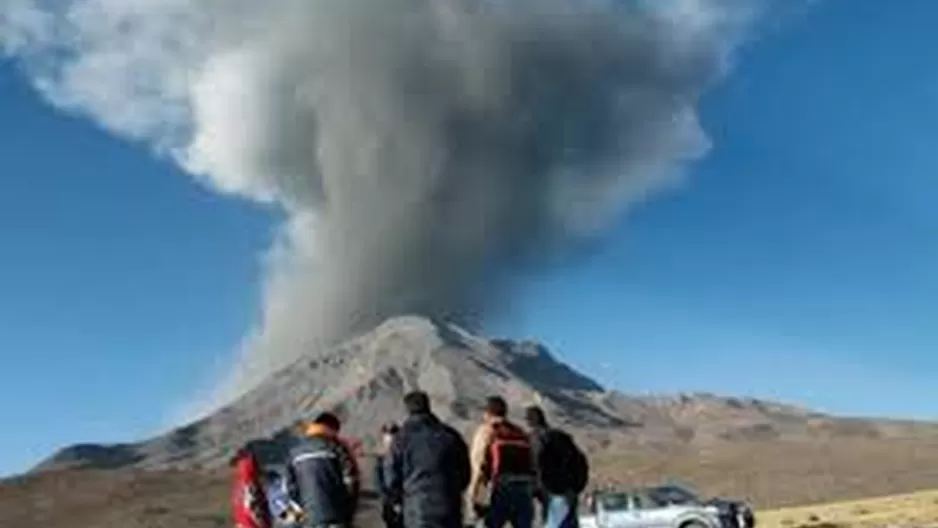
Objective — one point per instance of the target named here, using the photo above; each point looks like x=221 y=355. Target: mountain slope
x=364 y=379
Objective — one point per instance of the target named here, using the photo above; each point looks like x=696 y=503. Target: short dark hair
x=390 y=428
x=250 y=449
x=417 y=402
x=534 y=416
x=496 y=406
x=330 y=420
x=237 y=456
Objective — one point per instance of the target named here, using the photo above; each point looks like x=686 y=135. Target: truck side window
x=641 y=502
x=615 y=501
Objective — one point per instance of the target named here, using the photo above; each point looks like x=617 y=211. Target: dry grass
x=914 y=509
x=780 y=474
x=72 y=499
x=124 y=499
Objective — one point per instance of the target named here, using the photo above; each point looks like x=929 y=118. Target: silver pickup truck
x=643 y=508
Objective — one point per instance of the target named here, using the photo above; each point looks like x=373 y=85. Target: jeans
x=511 y=503
x=560 y=511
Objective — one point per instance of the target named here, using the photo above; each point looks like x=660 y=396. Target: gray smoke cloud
x=424 y=152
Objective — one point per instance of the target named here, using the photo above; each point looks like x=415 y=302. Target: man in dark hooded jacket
x=322 y=475
x=427 y=468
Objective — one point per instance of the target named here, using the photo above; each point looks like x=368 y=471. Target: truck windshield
x=672 y=495
x=614 y=501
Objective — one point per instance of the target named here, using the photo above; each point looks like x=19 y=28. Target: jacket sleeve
x=481 y=441
x=463 y=464
x=289 y=480
x=537 y=454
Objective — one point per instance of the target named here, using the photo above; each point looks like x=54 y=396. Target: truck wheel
x=694 y=524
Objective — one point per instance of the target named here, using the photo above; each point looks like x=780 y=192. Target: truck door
x=614 y=511
x=650 y=513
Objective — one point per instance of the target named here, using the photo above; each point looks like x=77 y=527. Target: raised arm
x=478 y=456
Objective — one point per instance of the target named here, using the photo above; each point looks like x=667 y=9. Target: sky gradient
x=798 y=262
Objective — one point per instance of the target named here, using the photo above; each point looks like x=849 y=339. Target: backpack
x=510 y=452
x=564 y=466
x=580 y=470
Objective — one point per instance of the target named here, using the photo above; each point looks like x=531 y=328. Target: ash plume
x=424 y=152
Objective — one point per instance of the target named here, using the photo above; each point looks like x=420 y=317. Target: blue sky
x=799 y=262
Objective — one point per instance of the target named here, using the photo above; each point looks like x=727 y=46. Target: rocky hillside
x=364 y=380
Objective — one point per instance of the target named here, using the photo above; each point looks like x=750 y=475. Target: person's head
x=534 y=417
x=237 y=457
x=250 y=450
x=390 y=428
x=417 y=402
x=329 y=421
x=388 y=431
x=495 y=408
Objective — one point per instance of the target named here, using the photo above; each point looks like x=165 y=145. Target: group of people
x=426 y=473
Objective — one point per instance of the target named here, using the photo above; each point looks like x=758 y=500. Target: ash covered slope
x=364 y=380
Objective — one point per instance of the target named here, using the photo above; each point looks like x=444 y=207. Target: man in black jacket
x=427 y=468
x=562 y=470
x=322 y=476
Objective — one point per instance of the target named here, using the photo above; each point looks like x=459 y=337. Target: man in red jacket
x=248 y=499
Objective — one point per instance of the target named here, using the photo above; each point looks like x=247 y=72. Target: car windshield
x=673 y=495
x=614 y=501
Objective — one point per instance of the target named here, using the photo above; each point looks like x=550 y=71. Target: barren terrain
x=772 y=454
x=771 y=474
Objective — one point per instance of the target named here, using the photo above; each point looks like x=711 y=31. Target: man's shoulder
x=508 y=428
x=315 y=443
x=482 y=430
x=297 y=443
x=557 y=432
x=453 y=434
x=554 y=434
x=558 y=439
x=411 y=427
x=482 y=436
x=436 y=428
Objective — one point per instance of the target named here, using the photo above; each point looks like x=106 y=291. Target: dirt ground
x=771 y=475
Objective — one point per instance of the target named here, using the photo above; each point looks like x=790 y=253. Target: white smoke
x=424 y=152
